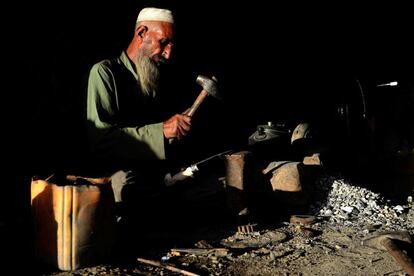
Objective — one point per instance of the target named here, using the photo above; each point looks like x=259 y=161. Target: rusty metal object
x=73 y=225
x=385 y=241
x=169 y=267
x=287 y=175
x=302 y=223
x=236 y=180
x=303 y=219
x=235 y=164
x=314 y=159
x=218 y=252
x=289 y=183
x=245 y=229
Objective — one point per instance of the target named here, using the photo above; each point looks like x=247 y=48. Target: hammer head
x=209 y=85
x=376 y=240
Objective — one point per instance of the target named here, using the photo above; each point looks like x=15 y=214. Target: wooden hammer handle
x=203 y=94
x=399 y=256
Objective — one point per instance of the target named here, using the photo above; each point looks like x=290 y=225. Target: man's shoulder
x=106 y=65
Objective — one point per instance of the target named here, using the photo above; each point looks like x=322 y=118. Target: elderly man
x=124 y=125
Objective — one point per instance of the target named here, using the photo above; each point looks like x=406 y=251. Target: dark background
x=275 y=62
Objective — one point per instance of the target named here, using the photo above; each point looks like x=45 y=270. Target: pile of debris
x=340 y=202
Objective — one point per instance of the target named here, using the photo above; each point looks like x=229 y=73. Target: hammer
x=209 y=88
x=384 y=241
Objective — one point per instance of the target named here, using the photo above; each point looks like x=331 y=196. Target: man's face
x=158 y=41
x=154 y=51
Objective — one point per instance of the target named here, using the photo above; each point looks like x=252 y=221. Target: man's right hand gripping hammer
x=177 y=126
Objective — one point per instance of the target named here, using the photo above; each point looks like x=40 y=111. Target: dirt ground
x=207 y=241
x=332 y=251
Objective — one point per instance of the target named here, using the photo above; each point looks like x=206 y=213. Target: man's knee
x=120 y=180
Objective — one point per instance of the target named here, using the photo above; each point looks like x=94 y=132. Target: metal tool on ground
x=246 y=229
x=209 y=86
x=170 y=180
x=166 y=266
x=218 y=252
x=385 y=241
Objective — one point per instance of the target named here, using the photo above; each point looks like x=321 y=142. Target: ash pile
x=340 y=202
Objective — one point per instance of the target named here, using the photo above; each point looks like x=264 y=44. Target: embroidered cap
x=155 y=14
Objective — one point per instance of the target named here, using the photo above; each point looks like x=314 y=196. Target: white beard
x=148 y=73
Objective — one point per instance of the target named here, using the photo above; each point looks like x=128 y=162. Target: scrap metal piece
x=236 y=180
x=246 y=229
x=218 y=252
x=169 y=267
x=385 y=241
x=302 y=131
x=303 y=219
x=287 y=175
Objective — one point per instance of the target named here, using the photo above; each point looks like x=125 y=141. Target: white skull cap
x=155 y=14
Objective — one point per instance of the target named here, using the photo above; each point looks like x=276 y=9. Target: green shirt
x=123 y=124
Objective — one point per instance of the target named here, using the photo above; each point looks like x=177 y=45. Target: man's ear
x=141 y=30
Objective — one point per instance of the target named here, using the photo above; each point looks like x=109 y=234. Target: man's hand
x=177 y=126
